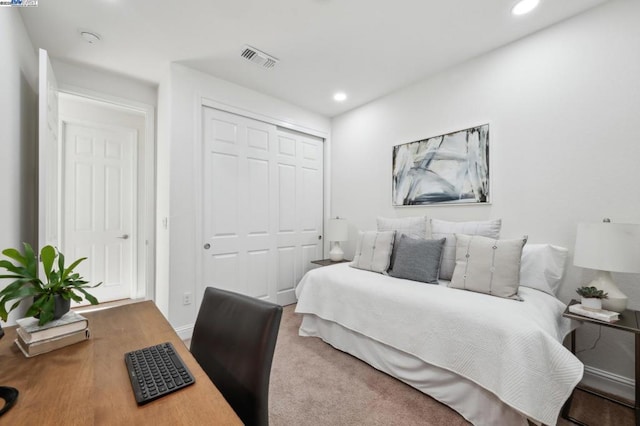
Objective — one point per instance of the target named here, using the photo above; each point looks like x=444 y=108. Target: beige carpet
x=314 y=384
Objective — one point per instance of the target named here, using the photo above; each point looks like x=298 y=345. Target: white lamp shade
x=338 y=230
x=608 y=247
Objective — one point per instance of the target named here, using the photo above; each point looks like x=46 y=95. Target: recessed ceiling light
x=524 y=7
x=339 y=97
x=89 y=37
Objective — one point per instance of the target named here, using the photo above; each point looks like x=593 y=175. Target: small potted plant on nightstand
x=52 y=295
x=591 y=297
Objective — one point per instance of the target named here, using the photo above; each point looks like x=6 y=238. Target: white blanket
x=513 y=349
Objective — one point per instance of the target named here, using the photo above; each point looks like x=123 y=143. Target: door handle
x=124 y=237
x=207 y=246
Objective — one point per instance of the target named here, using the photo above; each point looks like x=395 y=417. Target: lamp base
x=616 y=301
x=336 y=254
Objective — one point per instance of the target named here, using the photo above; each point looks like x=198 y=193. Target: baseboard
x=185 y=331
x=609 y=382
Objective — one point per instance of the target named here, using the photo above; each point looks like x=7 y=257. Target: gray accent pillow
x=373 y=252
x=445 y=229
x=488 y=265
x=417 y=259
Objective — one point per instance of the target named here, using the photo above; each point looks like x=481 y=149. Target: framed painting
x=445 y=169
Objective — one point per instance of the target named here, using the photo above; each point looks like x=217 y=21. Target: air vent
x=258 y=57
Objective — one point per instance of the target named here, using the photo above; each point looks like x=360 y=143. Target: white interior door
x=48 y=192
x=257 y=194
x=300 y=195
x=99 y=205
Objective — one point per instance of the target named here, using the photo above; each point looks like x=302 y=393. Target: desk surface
x=88 y=384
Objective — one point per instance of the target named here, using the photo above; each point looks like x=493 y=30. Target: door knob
x=207 y=246
x=124 y=237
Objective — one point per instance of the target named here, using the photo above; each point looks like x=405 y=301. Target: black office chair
x=233 y=341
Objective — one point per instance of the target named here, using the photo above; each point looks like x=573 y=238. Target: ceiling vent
x=257 y=57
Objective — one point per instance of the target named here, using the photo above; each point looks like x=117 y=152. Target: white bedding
x=513 y=349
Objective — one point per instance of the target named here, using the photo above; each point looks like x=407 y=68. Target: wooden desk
x=88 y=384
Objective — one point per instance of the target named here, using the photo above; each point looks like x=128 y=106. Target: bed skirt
x=474 y=403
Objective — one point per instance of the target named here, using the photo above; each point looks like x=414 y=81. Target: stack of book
x=600 y=314
x=34 y=339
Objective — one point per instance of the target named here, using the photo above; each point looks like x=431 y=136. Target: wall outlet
x=186 y=299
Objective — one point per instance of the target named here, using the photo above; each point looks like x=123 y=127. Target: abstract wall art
x=446 y=169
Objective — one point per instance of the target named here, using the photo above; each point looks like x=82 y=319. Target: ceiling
x=366 y=48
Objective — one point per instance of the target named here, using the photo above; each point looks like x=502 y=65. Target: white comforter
x=513 y=349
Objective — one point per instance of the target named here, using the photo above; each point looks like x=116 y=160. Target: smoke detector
x=90 y=37
x=258 y=57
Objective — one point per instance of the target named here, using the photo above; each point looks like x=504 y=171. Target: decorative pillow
x=373 y=252
x=417 y=259
x=488 y=265
x=413 y=226
x=444 y=229
x=542 y=267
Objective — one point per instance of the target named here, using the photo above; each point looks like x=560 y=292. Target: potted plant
x=591 y=297
x=52 y=295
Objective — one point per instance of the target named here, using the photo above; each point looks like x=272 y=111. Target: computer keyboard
x=156 y=371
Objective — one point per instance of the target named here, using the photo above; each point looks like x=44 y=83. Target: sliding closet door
x=255 y=231
x=300 y=195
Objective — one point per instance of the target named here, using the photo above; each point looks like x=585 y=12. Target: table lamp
x=608 y=247
x=338 y=231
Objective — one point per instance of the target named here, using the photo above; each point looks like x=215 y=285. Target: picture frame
x=448 y=169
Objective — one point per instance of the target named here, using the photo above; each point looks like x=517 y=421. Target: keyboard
x=156 y=371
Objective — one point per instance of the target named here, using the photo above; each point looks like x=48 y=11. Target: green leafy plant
x=591 y=293
x=25 y=272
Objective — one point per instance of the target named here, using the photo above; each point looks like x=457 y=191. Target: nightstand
x=328 y=262
x=629 y=321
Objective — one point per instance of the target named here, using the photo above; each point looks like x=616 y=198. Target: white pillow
x=373 y=252
x=414 y=226
x=445 y=229
x=488 y=265
x=542 y=267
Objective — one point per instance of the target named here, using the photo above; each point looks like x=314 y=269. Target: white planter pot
x=591 y=303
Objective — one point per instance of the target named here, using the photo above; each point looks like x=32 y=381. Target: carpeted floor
x=314 y=384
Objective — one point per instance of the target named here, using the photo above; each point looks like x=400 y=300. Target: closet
x=262 y=205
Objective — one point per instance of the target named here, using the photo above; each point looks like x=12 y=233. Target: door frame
x=145 y=250
x=202 y=102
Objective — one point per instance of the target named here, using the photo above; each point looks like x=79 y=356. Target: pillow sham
x=488 y=265
x=542 y=267
x=445 y=229
x=417 y=259
x=413 y=225
x=373 y=251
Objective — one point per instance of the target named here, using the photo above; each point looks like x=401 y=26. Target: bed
x=494 y=360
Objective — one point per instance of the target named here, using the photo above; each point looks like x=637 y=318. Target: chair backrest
x=233 y=341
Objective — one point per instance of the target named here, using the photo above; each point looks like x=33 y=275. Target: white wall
x=104 y=82
x=18 y=135
x=177 y=161
x=563 y=106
